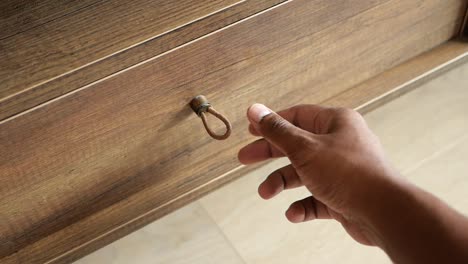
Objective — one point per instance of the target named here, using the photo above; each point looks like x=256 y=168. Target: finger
x=279 y=180
x=253 y=131
x=288 y=138
x=257 y=151
x=306 y=210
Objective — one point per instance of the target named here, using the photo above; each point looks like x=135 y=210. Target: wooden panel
x=91 y=164
x=90 y=34
x=399 y=80
x=18 y=16
x=23 y=92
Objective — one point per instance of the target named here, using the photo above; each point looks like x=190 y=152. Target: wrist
x=387 y=200
x=411 y=225
x=380 y=202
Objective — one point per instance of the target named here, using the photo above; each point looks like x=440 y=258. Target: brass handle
x=200 y=106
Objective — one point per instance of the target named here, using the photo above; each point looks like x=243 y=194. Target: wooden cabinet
x=96 y=135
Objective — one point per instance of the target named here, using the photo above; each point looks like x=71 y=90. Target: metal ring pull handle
x=200 y=105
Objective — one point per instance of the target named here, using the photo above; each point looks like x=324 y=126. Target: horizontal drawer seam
x=139 y=45
x=122 y=51
x=7 y=118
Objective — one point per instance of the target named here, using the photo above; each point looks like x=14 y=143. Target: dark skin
x=341 y=162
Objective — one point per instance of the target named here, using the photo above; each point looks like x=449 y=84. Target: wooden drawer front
x=112 y=26
x=53 y=47
x=79 y=168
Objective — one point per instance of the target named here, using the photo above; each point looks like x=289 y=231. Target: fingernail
x=257 y=112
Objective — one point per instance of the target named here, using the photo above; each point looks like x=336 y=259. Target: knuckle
x=305 y=151
x=278 y=123
x=299 y=107
x=274 y=125
x=347 y=112
x=279 y=176
x=300 y=161
x=346 y=116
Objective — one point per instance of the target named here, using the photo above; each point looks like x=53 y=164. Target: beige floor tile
x=446 y=175
x=188 y=235
x=261 y=234
x=424 y=120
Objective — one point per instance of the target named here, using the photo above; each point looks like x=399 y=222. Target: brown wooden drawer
x=82 y=166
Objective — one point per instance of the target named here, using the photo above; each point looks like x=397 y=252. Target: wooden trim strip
x=412 y=84
x=397 y=81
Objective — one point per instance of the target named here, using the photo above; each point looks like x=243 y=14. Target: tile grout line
x=221 y=231
x=436 y=154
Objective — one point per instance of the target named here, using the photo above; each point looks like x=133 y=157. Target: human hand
x=333 y=154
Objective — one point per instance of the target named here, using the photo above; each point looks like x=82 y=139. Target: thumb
x=276 y=130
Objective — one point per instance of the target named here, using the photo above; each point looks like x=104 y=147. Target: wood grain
x=401 y=79
x=19 y=16
x=57 y=47
x=127 y=148
x=106 y=50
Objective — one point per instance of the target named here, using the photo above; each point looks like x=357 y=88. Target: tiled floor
x=188 y=235
x=425 y=133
